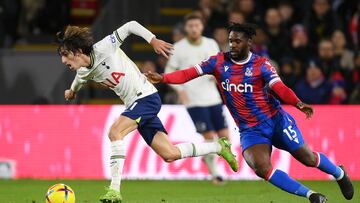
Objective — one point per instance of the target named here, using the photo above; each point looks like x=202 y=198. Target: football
x=60 y=193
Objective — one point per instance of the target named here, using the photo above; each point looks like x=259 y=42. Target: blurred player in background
x=244 y=79
x=104 y=62
x=200 y=96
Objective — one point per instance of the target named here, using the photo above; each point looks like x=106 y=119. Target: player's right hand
x=153 y=77
x=69 y=94
x=305 y=108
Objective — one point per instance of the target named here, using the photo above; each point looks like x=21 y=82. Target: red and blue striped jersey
x=244 y=86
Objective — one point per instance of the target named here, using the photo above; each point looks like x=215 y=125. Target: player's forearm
x=76 y=84
x=135 y=28
x=286 y=94
x=180 y=76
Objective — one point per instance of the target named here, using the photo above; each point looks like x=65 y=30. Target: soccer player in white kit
x=200 y=96
x=104 y=62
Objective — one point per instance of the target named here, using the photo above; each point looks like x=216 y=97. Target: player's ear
x=250 y=41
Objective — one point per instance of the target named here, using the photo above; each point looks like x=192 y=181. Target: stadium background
x=314 y=45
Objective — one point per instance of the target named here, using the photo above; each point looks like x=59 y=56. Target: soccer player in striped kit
x=244 y=80
x=104 y=62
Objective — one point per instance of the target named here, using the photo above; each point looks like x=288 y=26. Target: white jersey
x=201 y=91
x=111 y=67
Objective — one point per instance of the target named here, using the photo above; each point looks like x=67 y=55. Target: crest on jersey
x=248 y=72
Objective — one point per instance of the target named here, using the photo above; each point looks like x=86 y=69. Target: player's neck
x=85 y=60
x=195 y=41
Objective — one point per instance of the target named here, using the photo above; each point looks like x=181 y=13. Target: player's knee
x=114 y=134
x=262 y=169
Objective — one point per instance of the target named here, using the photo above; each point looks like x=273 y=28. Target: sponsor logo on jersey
x=248 y=72
x=226 y=68
x=112 y=38
x=231 y=87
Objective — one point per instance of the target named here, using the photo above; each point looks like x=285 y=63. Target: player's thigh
x=121 y=127
x=164 y=148
x=287 y=135
x=201 y=118
x=258 y=158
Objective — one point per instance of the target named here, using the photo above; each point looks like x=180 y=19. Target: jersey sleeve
x=77 y=83
x=269 y=74
x=207 y=67
x=173 y=65
x=132 y=27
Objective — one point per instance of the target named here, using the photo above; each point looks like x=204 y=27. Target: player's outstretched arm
x=289 y=97
x=176 y=77
x=133 y=27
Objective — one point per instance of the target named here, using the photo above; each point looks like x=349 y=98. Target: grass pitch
x=88 y=191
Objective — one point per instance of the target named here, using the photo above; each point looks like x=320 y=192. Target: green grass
x=33 y=191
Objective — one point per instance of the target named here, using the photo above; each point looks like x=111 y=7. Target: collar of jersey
x=243 y=61
x=195 y=43
x=92 y=59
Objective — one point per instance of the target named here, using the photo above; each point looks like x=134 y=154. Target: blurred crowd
x=31 y=21
x=314 y=43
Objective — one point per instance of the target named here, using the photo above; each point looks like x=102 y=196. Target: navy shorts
x=208 y=118
x=280 y=131
x=144 y=111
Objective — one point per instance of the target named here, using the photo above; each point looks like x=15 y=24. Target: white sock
x=198 y=149
x=210 y=160
x=117 y=159
x=341 y=175
x=310 y=192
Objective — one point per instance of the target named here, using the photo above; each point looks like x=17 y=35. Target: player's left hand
x=162 y=47
x=305 y=108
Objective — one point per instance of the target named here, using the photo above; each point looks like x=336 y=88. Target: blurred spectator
x=9 y=17
x=327 y=59
x=29 y=16
x=287 y=13
x=287 y=72
x=347 y=10
x=236 y=17
x=178 y=32
x=247 y=8
x=221 y=37
x=167 y=95
x=259 y=45
x=301 y=49
x=213 y=12
x=355 y=81
x=344 y=55
x=321 y=21
x=314 y=88
x=278 y=38
x=354 y=27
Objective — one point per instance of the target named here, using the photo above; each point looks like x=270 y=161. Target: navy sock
x=283 y=181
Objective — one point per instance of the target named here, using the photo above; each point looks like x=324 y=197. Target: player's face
x=239 y=45
x=194 y=29
x=70 y=59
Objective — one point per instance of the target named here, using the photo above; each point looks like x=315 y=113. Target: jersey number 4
x=111 y=83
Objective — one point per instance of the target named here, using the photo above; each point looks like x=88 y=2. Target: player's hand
x=305 y=108
x=153 y=77
x=161 y=47
x=69 y=94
